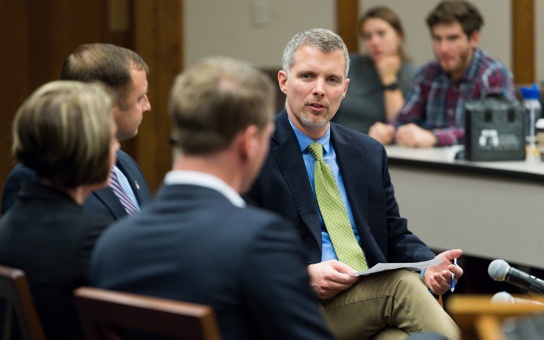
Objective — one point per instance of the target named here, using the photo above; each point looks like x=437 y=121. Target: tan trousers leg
x=393 y=299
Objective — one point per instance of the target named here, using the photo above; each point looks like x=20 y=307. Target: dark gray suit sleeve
x=277 y=277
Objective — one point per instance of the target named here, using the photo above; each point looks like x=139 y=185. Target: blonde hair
x=215 y=100
x=63 y=133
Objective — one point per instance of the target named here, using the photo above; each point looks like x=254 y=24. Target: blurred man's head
x=123 y=70
x=455 y=31
x=221 y=101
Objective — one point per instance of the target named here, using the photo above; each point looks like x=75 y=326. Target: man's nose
x=147 y=105
x=319 y=89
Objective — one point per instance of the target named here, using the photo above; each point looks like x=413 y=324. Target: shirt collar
x=207 y=181
x=305 y=141
x=477 y=55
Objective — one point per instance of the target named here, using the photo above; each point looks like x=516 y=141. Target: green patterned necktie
x=334 y=213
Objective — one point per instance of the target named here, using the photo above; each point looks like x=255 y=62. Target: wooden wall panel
x=14 y=73
x=347 y=17
x=57 y=28
x=35 y=38
x=523 y=41
x=158 y=39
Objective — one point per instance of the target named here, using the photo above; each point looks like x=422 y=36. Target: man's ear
x=282 y=79
x=249 y=141
x=116 y=110
x=474 y=38
x=345 y=88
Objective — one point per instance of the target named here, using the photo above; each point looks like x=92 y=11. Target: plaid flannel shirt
x=436 y=102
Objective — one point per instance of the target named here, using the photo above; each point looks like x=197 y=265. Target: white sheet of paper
x=415 y=266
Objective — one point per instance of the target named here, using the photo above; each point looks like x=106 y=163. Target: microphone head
x=498 y=269
x=503 y=297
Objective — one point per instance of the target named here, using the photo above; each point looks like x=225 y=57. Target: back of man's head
x=107 y=63
x=215 y=100
x=456 y=11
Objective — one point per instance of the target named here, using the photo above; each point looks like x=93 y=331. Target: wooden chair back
x=20 y=319
x=107 y=314
x=479 y=318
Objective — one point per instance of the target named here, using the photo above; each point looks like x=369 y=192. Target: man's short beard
x=322 y=121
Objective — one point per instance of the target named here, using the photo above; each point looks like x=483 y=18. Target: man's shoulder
x=124 y=157
x=126 y=163
x=195 y=205
x=134 y=174
x=428 y=72
x=486 y=62
x=264 y=216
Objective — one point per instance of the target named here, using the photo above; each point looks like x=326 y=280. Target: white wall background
x=219 y=27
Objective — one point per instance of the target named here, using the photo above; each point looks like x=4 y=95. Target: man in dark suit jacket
x=315 y=65
x=125 y=72
x=197 y=241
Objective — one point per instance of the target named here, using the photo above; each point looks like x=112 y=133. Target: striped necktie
x=334 y=213
x=121 y=194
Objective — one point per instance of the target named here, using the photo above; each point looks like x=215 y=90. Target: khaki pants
x=397 y=302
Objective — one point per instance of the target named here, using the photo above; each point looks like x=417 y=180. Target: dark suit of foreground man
x=125 y=72
x=315 y=65
x=197 y=241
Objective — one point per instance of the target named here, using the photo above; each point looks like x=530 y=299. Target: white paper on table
x=415 y=266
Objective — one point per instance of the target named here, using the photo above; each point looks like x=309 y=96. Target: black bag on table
x=494 y=130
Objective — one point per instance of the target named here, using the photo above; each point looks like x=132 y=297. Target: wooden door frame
x=158 y=38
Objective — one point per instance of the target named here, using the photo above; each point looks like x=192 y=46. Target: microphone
x=500 y=270
x=504 y=297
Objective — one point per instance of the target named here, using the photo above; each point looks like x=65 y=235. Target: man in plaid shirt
x=433 y=114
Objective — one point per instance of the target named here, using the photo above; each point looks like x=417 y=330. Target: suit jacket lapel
x=108 y=197
x=289 y=159
x=110 y=201
x=122 y=164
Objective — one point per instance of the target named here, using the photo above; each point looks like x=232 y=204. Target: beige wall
x=215 y=27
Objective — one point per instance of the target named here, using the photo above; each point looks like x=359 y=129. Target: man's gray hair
x=321 y=38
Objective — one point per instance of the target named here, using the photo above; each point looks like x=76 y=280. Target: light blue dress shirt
x=329 y=156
